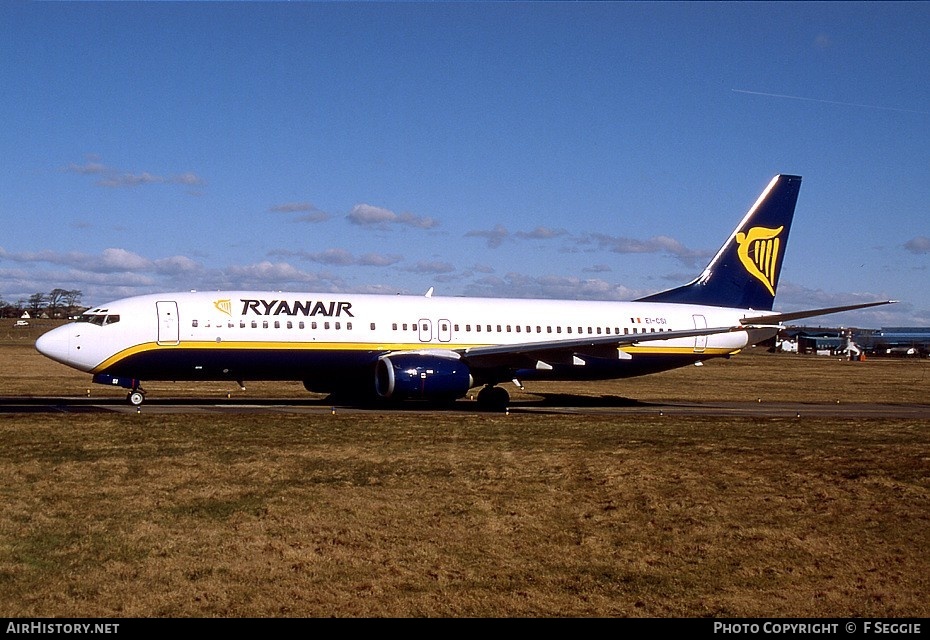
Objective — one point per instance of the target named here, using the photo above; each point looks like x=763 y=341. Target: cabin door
x=445 y=331
x=700 y=342
x=426 y=330
x=168 y=327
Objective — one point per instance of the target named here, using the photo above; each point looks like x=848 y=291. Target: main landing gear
x=136 y=397
x=492 y=398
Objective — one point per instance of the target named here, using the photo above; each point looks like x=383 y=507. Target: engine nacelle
x=420 y=376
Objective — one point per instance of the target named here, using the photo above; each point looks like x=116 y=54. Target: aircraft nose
x=54 y=344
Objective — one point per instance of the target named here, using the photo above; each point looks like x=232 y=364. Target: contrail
x=845 y=104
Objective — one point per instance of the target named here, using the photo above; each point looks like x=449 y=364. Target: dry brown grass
x=450 y=514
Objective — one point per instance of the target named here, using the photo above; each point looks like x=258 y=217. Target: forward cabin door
x=700 y=342
x=168 y=327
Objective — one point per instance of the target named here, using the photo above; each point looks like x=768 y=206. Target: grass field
x=466 y=514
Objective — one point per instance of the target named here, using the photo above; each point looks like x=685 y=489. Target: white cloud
x=378 y=259
x=112 y=177
x=517 y=285
x=109 y=261
x=656 y=244
x=367 y=215
x=176 y=265
x=541 y=233
x=432 y=267
x=919 y=244
x=494 y=237
x=341 y=257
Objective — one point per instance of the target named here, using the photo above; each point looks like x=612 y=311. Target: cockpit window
x=99 y=319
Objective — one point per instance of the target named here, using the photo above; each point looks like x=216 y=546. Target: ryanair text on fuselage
x=296 y=308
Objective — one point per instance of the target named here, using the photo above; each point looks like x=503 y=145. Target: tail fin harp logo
x=224 y=305
x=758 y=251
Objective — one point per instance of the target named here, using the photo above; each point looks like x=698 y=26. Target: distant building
x=895 y=341
x=887 y=341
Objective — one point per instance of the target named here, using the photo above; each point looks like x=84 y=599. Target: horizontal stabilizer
x=779 y=318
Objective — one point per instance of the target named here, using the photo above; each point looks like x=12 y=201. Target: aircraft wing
x=527 y=354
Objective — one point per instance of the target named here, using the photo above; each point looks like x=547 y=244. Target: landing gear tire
x=493 y=398
x=135 y=398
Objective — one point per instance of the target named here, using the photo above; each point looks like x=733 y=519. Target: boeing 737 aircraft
x=434 y=348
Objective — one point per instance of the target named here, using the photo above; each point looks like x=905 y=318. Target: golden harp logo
x=758 y=251
x=224 y=305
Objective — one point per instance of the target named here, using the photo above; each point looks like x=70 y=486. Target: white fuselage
x=273 y=335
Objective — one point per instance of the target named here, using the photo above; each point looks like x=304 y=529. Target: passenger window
x=194 y=323
x=277 y=324
x=300 y=325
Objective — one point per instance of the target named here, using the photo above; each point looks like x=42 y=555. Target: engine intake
x=417 y=376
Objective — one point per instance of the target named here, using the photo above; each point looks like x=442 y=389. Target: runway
x=554 y=404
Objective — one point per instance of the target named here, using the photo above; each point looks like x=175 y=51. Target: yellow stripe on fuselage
x=232 y=345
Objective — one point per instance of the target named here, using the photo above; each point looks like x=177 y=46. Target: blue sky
x=592 y=151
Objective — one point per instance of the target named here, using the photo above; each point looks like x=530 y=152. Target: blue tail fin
x=745 y=271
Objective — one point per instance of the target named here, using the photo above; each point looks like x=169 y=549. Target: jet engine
x=421 y=376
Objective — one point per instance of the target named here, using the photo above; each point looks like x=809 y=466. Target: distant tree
x=72 y=299
x=36 y=302
x=54 y=301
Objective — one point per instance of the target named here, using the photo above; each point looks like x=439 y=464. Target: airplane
x=382 y=347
